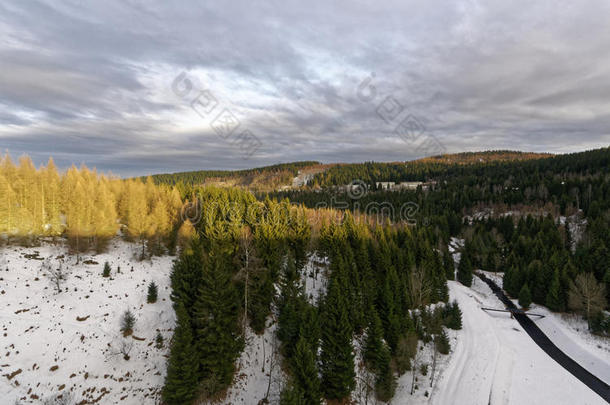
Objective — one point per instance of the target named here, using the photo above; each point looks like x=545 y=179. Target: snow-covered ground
x=495 y=361
x=569 y=333
x=69 y=343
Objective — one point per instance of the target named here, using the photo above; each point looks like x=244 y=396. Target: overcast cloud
x=91 y=82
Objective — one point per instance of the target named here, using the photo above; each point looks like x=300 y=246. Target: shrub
x=159 y=341
x=423 y=369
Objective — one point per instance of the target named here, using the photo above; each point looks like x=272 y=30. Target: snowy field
x=496 y=362
x=69 y=343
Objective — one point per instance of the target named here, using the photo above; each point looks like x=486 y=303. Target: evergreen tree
x=385 y=381
x=217 y=336
x=181 y=381
x=464 y=274
x=442 y=343
x=127 y=323
x=152 y=293
x=554 y=298
x=306 y=373
x=373 y=344
x=525 y=297
x=337 y=358
x=106 y=271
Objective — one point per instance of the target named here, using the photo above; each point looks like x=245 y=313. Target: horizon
x=137 y=89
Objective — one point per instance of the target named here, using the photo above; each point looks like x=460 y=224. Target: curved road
x=591 y=381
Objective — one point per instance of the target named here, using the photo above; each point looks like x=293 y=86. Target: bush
x=106 y=272
x=159 y=341
x=152 y=293
x=127 y=323
x=423 y=369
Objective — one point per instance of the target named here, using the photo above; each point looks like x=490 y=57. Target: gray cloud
x=91 y=82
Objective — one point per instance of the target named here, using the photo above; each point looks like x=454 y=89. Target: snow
x=259 y=359
x=495 y=361
x=314 y=277
x=40 y=329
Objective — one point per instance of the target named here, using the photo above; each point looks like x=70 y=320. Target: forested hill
x=267 y=177
x=270 y=178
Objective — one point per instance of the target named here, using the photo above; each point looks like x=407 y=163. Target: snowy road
x=496 y=362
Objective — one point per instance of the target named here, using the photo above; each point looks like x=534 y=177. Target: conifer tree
x=464 y=274
x=151 y=297
x=337 y=358
x=181 y=380
x=106 y=271
x=217 y=332
x=306 y=372
x=373 y=344
x=525 y=297
x=554 y=299
x=385 y=381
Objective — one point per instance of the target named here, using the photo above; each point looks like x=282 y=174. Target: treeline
x=266 y=178
x=85 y=206
x=245 y=266
x=418 y=170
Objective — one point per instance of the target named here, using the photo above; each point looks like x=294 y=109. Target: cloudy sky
x=138 y=87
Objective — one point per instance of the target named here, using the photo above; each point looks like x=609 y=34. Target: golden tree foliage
x=87 y=207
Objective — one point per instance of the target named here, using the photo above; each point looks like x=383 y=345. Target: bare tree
x=419 y=288
x=122 y=348
x=586 y=295
x=56 y=274
x=248 y=263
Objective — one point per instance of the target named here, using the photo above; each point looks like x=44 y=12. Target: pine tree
x=127 y=323
x=151 y=297
x=525 y=297
x=373 y=344
x=553 y=298
x=337 y=358
x=464 y=274
x=442 y=343
x=385 y=381
x=217 y=332
x=306 y=373
x=106 y=271
x=181 y=381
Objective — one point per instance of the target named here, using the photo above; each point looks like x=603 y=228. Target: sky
x=141 y=87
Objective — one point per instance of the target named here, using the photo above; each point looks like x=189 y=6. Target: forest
x=241 y=258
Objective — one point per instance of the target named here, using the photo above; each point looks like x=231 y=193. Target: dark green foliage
x=373 y=344
x=452 y=316
x=448 y=265
x=554 y=298
x=182 y=370
x=106 y=271
x=464 y=274
x=385 y=381
x=600 y=324
x=525 y=297
x=217 y=337
x=337 y=358
x=159 y=341
x=442 y=343
x=292 y=395
x=305 y=373
x=127 y=323
x=151 y=296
